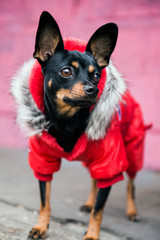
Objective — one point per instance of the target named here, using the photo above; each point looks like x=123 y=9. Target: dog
x=77 y=106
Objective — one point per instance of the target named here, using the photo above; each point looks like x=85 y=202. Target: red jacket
x=108 y=152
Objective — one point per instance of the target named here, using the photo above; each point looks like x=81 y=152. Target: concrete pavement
x=19 y=202
x=16 y=222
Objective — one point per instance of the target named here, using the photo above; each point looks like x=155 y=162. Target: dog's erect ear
x=48 y=38
x=102 y=43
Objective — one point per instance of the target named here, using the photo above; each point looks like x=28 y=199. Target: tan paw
x=37 y=232
x=134 y=217
x=86 y=208
x=90 y=237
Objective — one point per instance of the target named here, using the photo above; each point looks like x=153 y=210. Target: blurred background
x=137 y=54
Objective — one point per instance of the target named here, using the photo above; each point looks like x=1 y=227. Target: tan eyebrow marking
x=50 y=83
x=91 y=68
x=75 y=64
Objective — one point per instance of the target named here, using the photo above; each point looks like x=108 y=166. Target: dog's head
x=71 y=77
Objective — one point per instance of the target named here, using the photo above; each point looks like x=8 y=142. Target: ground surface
x=19 y=203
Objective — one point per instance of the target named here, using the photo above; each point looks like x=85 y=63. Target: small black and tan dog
x=70 y=89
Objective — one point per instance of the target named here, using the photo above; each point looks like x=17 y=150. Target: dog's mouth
x=69 y=101
x=80 y=102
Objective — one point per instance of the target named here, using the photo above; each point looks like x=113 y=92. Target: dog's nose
x=90 y=90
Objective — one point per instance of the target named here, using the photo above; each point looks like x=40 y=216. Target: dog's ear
x=48 y=38
x=102 y=43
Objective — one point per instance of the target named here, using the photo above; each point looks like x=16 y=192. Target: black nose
x=90 y=90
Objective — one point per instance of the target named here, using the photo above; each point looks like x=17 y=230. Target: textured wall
x=137 y=53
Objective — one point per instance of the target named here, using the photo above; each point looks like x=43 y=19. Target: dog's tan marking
x=75 y=64
x=76 y=92
x=50 y=83
x=89 y=204
x=91 y=68
x=40 y=229
x=65 y=109
x=62 y=107
x=131 y=211
x=93 y=230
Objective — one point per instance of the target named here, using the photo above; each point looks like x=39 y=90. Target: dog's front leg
x=39 y=231
x=97 y=214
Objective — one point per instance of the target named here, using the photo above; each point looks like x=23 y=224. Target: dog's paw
x=87 y=236
x=37 y=233
x=134 y=217
x=86 y=208
x=90 y=238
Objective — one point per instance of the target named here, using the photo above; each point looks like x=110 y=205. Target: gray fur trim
x=106 y=107
x=30 y=117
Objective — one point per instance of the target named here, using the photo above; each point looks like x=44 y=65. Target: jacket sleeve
x=43 y=157
x=133 y=134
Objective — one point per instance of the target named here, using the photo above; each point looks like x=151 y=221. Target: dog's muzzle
x=87 y=100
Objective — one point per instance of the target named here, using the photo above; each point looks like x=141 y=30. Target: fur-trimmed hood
x=30 y=117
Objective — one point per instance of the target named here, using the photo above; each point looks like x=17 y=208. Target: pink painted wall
x=137 y=53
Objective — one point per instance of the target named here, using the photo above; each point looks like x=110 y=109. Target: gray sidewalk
x=16 y=222
x=19 y=203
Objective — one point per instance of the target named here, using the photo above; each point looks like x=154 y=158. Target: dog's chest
x=68 y=131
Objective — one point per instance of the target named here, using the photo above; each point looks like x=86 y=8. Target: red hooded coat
x=119 y=150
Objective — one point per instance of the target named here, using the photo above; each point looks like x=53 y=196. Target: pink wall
x=137 y=54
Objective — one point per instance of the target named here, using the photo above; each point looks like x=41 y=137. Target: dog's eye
x=66 y=72
x=96 y=77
